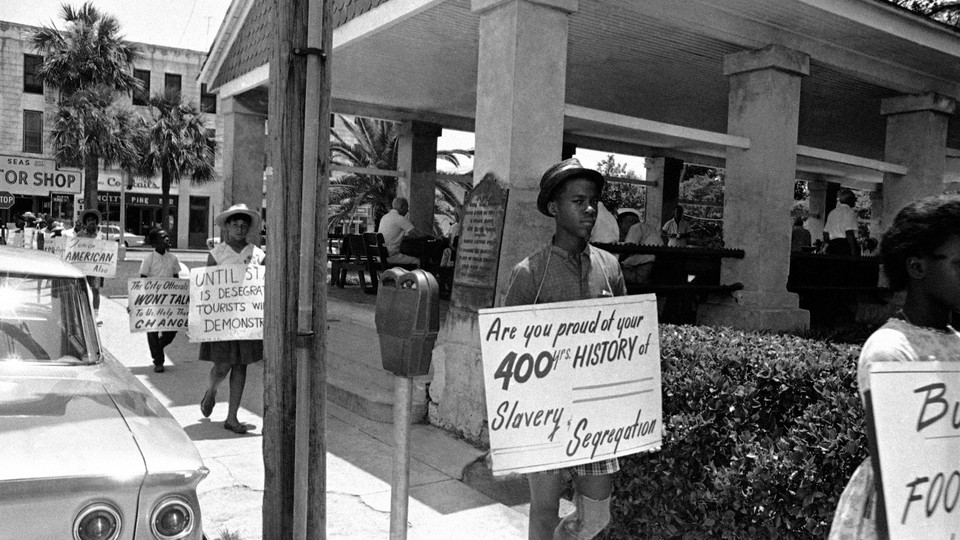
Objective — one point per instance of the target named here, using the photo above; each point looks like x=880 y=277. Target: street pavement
x=359 y=450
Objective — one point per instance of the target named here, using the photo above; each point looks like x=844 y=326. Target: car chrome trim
x=163 y=505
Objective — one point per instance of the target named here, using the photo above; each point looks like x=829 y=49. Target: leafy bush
x=762 y=433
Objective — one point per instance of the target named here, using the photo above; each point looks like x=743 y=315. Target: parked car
x=129 y=239
x=86 y=451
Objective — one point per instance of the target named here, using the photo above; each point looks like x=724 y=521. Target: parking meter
x=408 y=320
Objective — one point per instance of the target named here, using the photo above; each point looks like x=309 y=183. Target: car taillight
x=97 y=522
x=172 y=519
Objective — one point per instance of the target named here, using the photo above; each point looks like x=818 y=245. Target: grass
x=227 y=534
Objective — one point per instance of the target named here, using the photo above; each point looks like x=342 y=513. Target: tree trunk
x=165 y=206
x=287 y=94
x=91 y=175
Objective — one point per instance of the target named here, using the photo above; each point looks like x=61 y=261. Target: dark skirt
x=238 y=352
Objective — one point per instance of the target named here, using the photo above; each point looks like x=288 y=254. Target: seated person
x=626 y=218
x=605 y=228
x=395 y=228
x=800 y=237
x=637 y=268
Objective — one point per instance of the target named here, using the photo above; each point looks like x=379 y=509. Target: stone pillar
x=521 y=80
x=764 y=107
x=876 y=210
x=818 y=208
x=417 y=156
x=244 y=138
x=916 y=139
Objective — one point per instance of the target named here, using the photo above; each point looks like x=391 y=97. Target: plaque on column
x=478 y=252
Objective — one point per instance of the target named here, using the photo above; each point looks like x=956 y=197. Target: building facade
x=29 y=172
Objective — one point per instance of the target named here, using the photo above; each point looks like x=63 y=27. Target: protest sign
x=92 y=256
x=158 y=304
x=226 y=303
x=55 y=245
x=571 y=382
x=915 y=419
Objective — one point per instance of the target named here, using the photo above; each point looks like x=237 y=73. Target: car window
x=41 y=321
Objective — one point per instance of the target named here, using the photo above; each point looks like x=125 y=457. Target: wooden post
x=286 y=129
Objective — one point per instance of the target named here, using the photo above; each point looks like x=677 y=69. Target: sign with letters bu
x=92 y=256
x=158 y=304
x=226 y=303
x=915 y=420
x=571 y=382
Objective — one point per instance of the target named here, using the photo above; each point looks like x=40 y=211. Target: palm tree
x=88 y=128
x=376 y=147
x=88 y=62
x=175 y=144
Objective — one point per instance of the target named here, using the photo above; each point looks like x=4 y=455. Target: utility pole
x=285 y=130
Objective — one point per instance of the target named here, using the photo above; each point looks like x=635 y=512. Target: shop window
x=172 y=85
x=33 y=132
x=31 y=82
x=208 y=101
x=141 y=96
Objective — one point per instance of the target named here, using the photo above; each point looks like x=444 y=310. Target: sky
x=188 y=24
x=193 y=24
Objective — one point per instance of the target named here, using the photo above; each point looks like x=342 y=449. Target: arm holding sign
x=921 y=254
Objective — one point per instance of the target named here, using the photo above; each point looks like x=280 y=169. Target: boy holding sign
x=921 y=254
x=159 y=263
x=568 y=268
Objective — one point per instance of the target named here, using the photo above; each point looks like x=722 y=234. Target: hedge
x=762 y=432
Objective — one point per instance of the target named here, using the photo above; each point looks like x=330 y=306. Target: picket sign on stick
x=226 y=303
x=158 y=304
x=571 y=382
x=92 y=256
x=915 y=419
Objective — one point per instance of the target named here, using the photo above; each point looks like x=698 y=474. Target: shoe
x=207 y=403
x=239 y=429
x=158 y=369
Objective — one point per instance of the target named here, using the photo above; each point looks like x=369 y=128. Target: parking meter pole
x=400 y=494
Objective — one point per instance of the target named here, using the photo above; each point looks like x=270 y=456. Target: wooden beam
x=368 y=170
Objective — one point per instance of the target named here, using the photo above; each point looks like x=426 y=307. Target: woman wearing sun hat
x=232 y=357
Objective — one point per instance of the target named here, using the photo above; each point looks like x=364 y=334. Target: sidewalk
x=359 y=450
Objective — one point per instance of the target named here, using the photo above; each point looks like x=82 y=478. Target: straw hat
x=560 y=173
x=241 y=208
x=633 y=211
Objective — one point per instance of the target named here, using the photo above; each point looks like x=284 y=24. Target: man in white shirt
x=840 y=231
x=395 y=227
x=637 y=267
x=677 y=229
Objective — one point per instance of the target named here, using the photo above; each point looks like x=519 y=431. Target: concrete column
x=764 y=107
x=662 y=198
x=818 y=208
x=876 y=210
x=244 y=138
x=521 y=80
x=417 y=156
x=917 y=139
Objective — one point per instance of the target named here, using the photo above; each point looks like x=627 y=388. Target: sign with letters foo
x=571 y=382
x=158 y=304
x=92 y=256
x=226 y=302
x=915 y=418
